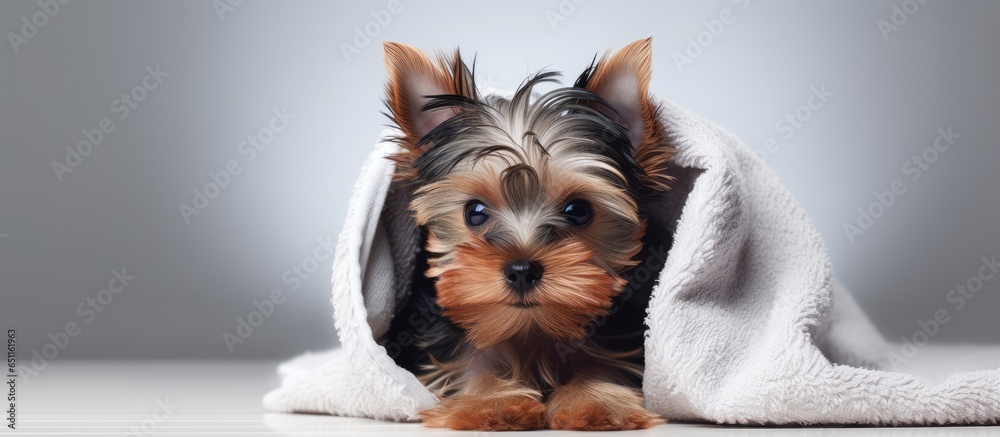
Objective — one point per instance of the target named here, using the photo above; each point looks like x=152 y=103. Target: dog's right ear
x=413 y=79
x=622 y=80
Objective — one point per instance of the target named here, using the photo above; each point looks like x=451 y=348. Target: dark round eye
x=475 y=213
x=578 y=212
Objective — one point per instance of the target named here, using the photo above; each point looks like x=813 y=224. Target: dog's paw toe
x=596 y=416
x=486 y=414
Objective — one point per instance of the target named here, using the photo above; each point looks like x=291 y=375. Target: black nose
x=522 y=275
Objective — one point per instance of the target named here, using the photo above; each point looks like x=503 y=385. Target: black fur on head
x=562 y=123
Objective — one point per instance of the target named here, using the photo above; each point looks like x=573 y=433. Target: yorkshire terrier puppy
x=533 y=211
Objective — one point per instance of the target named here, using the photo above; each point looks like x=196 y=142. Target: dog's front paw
x=598 y=416
x=510 y=413
x=604 y=407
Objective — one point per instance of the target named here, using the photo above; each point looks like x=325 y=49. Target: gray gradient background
x=120 y=207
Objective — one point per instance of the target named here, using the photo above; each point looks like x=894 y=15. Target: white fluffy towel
x=746 y=323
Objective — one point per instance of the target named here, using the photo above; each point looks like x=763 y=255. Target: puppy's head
x=532 y=205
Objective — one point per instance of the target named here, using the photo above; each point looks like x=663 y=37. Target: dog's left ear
x=622 y=80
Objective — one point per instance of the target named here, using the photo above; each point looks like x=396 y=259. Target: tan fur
x=575 y=292
x=490 y=404
x=590 y=402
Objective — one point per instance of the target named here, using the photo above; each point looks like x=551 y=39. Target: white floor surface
x=164 y=398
